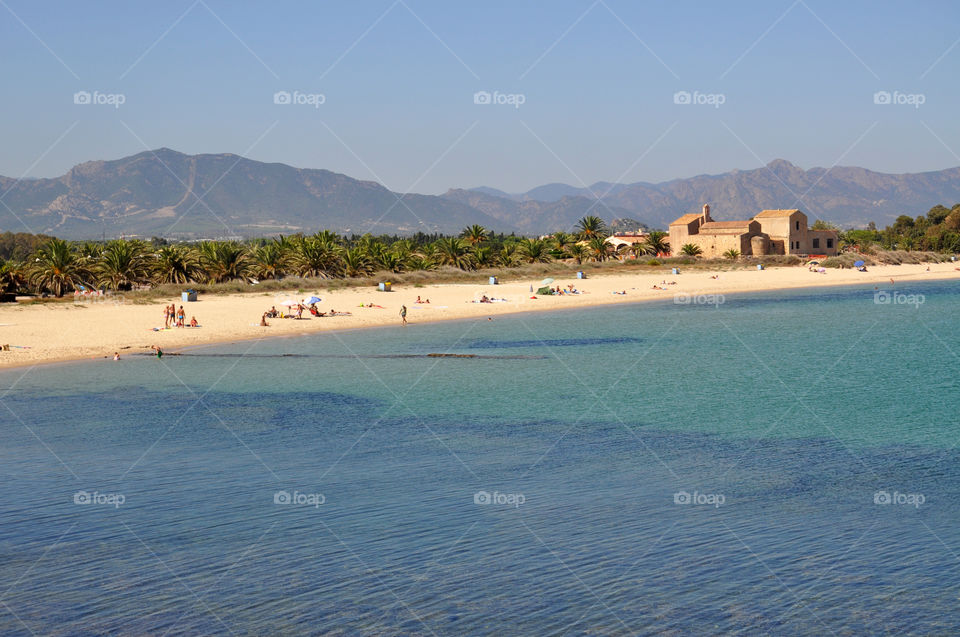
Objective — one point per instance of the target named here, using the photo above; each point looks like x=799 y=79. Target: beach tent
x=545 y=291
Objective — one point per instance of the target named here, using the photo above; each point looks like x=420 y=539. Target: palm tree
x=691 y=250
x=638 y=249
x=732 y=254
x=483 y=256
x=474 y=235
x=224 y=261
x=656 y=243
x=12 y=277
x=562 y=240
x=317 y=256
x=591 y=226
x=534 y=250
x=356 y=262
x=57 y=268
x=578 y=252
x=507 y=257
x=122 y=264
x=175 y=264
x=453 y=251
x=598 y=247
x=270 y=261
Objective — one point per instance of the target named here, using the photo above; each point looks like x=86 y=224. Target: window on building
x=798 y=225
x=829 y=243
x=816 y=244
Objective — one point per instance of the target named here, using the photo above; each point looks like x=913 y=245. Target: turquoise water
x=654 y=468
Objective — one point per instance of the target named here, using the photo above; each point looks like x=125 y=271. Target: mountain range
x=171 y=194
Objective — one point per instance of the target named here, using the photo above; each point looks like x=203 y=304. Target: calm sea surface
x=782 y=464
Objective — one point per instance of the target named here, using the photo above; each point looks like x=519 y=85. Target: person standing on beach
x=403 y=314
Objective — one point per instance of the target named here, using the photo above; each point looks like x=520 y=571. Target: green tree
x=733 y=254
x=534 y=250
x=224 y=261
x=122 y=264
x=474 y=235
x=691 y=250
x=57 y=267
x=657 y=243
x=591 y=226
x=454 y=251
x=598 y=248
x=175 y=264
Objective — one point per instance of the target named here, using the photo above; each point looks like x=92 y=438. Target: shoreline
x=103 y=327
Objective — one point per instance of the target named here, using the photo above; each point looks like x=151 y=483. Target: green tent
x=545 y=290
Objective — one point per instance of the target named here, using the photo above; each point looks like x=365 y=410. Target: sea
x=779 y=463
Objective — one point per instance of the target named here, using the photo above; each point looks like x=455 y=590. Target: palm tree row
x=59 y=267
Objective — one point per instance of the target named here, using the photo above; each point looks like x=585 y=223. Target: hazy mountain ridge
x=849 y=196
x=170 y=193
x=159 y=193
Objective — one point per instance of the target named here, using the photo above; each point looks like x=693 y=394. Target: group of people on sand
x=273 y=312
x=172 y=317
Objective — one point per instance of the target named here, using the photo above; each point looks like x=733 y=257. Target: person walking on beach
x=403 y=314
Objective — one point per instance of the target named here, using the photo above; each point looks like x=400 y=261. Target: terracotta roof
x=685 y=219
x=776 y=213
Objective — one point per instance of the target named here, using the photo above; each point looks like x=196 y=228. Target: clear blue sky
x=598 y=81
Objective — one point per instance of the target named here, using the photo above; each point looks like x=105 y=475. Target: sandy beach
x=95 y=328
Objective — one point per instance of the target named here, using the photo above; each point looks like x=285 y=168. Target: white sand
x=97 y=328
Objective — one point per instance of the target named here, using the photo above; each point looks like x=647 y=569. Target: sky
x=423 y=96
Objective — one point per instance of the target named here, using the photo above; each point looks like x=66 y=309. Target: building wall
x=824 y=237
x=714 y=245
x=681 y=234
x=788 y=235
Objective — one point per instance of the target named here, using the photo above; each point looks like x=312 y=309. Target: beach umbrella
x=289 y=303
x=857 y=264
x=546 y=281
x=814 y=263
x=312 y=300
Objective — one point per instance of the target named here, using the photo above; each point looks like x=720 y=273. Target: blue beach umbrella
x=857 y=264
x=312 y=300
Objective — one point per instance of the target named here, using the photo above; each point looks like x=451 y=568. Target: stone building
x=769 y=232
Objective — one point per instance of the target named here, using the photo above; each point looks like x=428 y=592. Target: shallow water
x=780 y=418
